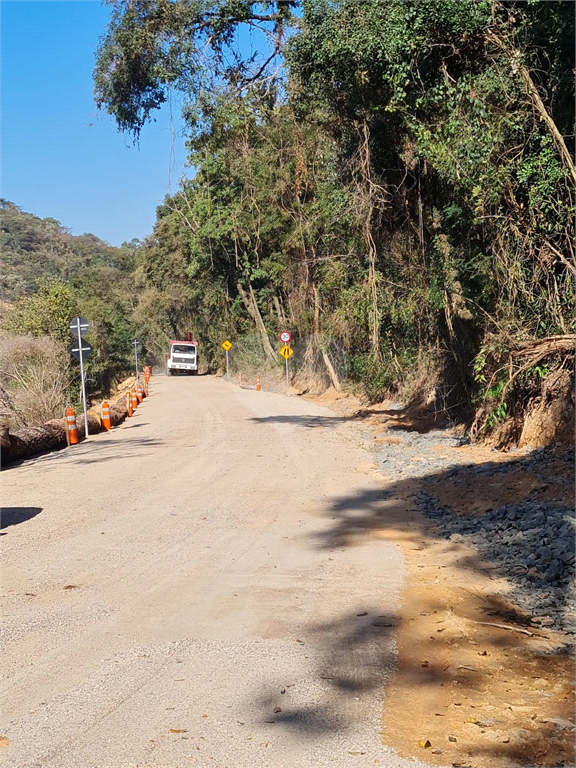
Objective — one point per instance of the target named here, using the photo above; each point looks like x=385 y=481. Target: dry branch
x=507 y=626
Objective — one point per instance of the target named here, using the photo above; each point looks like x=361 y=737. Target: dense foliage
x=404 y=184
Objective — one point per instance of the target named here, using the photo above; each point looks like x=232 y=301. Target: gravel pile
x=411 y=457
x=531 y=543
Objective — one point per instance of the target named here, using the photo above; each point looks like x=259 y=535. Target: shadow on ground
x=16 y=515
x=356 y=655
x=310 y=422
x=354 y=519
x=90 y=452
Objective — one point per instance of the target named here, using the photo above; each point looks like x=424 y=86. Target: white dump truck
x=182 y=358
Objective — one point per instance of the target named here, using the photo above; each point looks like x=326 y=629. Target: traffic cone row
x=147 y=376
x=133 y=398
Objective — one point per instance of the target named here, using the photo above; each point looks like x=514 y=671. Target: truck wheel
x=168 y=372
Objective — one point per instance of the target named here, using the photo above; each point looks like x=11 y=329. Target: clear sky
x=61 y=156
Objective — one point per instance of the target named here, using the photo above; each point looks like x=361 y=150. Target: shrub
x=36 y=376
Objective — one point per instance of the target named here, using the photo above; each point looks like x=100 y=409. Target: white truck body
x=182 y=358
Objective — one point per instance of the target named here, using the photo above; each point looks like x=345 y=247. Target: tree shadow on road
x=355 y=656
x=111 y=450
x=16 y=515
x=310 y=422
x=354 y=519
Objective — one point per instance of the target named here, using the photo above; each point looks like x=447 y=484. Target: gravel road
x=171 y=596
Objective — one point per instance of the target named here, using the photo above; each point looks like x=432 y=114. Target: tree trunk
x=373 y=288
x=368 y=191
x=331 y=372
x=279 y=309
x=252 y=309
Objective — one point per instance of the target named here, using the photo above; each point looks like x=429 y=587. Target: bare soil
x=478 y=684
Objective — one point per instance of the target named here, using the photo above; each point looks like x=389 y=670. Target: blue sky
x=61 y=157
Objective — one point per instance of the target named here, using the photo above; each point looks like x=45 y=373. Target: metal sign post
x=227 y=345
x=286 y=337
x=285 y=352
x=135 y=345
x=79 y=326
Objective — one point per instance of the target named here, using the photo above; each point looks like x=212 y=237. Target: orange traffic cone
x=106 y=423
x=257 y=383
x=134 y=399
x=129 y=403
x=139 y=393
x=71 y=426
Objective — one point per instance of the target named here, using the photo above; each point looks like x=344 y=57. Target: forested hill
x=391 y=181
x=34 y=249
x=48 y=277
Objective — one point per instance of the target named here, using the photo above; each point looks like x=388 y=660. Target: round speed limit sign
x=285 y=337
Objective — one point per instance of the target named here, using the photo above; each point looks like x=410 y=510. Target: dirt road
x=172 y=595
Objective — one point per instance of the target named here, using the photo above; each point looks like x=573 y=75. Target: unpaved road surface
x=172 y=595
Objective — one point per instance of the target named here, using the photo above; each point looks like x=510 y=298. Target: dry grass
x=35 y=376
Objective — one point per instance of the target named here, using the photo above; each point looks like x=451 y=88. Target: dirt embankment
x=485 y=673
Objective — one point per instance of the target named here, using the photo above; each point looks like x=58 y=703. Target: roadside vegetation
x=48 y=277
x=392 y=182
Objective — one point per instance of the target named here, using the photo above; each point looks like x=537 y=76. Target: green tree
x=47 y=313
x=152 y=46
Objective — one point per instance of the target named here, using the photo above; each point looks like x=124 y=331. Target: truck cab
x=182 y=358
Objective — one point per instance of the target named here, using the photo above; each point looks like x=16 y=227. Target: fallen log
x=33 y=440
x=51 y=436
x=541 y=348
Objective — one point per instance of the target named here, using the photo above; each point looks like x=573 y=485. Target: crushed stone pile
x=531 y=543
x=414 y=458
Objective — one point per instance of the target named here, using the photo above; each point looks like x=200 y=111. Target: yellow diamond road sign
x=286 y=352
x=227 y=345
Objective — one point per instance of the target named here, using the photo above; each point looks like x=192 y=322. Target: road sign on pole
x=80 y=350
x=227 y=345
x=285 y=337
x=286 y=352
x=79 y=326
